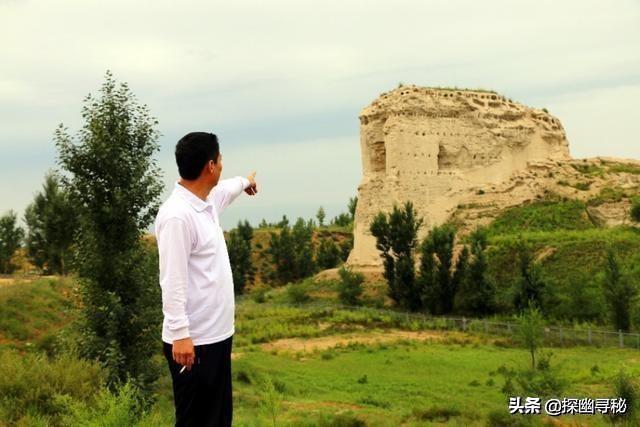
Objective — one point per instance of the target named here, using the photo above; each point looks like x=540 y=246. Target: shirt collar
x=196 y=202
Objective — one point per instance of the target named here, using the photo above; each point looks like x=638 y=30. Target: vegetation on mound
x=544 y=215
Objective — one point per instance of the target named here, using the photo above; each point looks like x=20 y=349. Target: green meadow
x=314 y=364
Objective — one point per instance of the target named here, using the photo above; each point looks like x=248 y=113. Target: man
x=197 y=284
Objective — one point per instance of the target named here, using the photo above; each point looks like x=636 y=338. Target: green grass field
x=306 y=366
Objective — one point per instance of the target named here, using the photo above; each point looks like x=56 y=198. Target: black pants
x=202 y=395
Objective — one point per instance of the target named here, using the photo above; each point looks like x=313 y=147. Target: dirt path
x=323 y=343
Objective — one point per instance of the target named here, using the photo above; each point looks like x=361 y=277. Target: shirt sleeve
x=227 y=190
x=174 y=247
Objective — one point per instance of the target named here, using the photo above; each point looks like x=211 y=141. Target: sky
x=282 y=82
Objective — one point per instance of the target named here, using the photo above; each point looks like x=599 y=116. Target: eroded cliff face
x=437 y=147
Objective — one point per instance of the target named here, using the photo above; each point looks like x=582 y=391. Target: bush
x=298 y=293
x=259 y=294
x=544 y=382
x=121 y=408
x=635 y=210
x=328 y=254
x=625 y=387
x=350 y=286
x=32 y=384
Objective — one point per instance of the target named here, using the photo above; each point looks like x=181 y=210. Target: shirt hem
x=203 y=341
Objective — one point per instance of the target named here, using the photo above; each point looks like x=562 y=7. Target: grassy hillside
x=32 y=311
x=570 y=249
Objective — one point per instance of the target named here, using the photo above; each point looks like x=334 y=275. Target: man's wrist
x=245 y=182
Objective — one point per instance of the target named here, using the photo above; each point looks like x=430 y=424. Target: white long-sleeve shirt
x=195 y=273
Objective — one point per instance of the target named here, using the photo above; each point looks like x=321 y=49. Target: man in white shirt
x=197 y=284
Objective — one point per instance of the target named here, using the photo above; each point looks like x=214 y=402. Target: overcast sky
x=282 y=82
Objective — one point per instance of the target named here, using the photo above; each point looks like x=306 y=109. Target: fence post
x=464 y=323
x=620 y=338
x=589 y=334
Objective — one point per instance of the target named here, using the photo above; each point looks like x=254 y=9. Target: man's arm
x=174 y=247
x=227 y=190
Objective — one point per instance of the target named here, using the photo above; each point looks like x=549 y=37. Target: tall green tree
x=282 y=252
x=320 y=215
x=620 y=294
x=353 y=203
x=304 y=261
x=396 y=238
x=115 y=184
x=477 y=293
x=291 y=250
x=328 y=253
x=438 y=281
x=51 y=224
x=11 y=236
x=531 y=330
x=239 y=245
x=530 y=286
x=635 y=210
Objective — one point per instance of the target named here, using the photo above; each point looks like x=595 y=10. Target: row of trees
x=445 y=283
x=293 y=253
x=51 y=222
x=438 y=286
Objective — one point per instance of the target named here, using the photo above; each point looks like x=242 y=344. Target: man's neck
x=197 y=187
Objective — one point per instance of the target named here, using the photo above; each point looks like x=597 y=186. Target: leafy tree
x=478 y=292
x=353 y=203
x=283 y=222
x=619 y=293
x=328 y=253
x=530 y=330
x=282 y=252
x=51 y=224
x=396 y=239
x=321 y=216
x=115 y=184
x=350 y=286
x=11 y=236
x=291 y=251
x=303 y=255
x=529 y=285
x=239 y=245
x=345 y=248
x=438 y=282
x=342 y=220
x=635 y=210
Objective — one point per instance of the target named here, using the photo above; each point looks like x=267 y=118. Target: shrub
x=350 y=286
x=635 y=210
x=120 y=408
x=625 y=387
x=328 y=254
x=298 y=293
x=620 y=293
x=30 y=383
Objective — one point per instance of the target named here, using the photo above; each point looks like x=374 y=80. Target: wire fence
x=558 y=336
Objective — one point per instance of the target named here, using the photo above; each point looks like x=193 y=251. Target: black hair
x=193 y=151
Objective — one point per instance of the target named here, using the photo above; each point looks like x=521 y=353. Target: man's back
x=189 y=234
